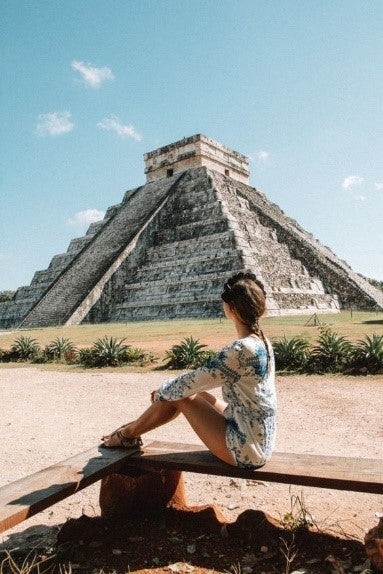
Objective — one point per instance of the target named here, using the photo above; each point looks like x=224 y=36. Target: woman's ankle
x=129 y=431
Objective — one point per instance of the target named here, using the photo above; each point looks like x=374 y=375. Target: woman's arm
x=209 y=376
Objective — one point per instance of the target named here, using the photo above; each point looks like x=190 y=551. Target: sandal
x=129 y=441
x=123 y=441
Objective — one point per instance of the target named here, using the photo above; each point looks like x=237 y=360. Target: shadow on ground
x=192 y=541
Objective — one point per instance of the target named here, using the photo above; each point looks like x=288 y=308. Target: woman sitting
x=240 y=429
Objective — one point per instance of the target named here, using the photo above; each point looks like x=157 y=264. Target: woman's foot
x=118 y=439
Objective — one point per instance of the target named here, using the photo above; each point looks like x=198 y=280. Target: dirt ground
x=47 y=416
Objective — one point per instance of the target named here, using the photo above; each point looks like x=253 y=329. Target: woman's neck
x=242 y=330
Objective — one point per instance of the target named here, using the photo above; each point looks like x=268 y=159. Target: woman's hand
x=153 y=396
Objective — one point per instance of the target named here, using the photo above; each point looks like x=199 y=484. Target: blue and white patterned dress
x=246 y=376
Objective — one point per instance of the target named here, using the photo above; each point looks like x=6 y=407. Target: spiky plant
x=331 y=354
x=109 y=352
x=291 y=354
x=25 y=348
x=367 y=355
x=185 y=355
x=61 y=349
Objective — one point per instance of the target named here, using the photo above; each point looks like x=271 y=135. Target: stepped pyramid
x=167 y=249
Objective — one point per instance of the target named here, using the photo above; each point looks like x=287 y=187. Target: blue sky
x=88 y=87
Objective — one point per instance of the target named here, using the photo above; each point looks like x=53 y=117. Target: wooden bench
x=28 y=496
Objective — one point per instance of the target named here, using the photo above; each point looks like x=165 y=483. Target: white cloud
x=91 y=75
x=113 y=124
x=262 y=155
x=359 y=197
x=85 y=217
x=352 y=181
x=54 y=124
x=379 y=185
x=4 y=256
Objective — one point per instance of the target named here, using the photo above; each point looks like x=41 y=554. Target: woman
x=241 y=429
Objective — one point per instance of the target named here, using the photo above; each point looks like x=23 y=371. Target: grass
x=159 y=336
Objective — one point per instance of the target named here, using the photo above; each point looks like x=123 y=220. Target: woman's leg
x=200 y=411
x=218 y=404
x=204 y=413
x=159 y=413
x=208 y=423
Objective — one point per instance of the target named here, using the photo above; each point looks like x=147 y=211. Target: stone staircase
x=188 y=253
x=92 y=262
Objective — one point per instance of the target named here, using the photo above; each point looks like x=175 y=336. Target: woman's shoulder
x=251 y=345
x=250 y=342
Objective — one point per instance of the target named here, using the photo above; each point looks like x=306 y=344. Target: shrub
x=186 y=355
x=60 y=349
x=140 y=356
x=85 y=358
x=367 y=355
x=24 y=349
x=331 y=354
x=104 y=353
x=291 y=354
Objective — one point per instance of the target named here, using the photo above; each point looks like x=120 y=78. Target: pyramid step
x=192 y=230
x=223 y=264
x=216 y=280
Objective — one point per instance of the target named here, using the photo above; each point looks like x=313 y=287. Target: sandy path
x=47 y=416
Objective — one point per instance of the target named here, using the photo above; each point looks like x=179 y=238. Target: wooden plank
x=27 y=496
x=341 y=473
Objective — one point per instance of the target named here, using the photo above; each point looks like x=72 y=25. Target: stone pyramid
x=167 y=249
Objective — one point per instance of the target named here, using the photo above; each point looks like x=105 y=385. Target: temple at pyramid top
x=196 y=151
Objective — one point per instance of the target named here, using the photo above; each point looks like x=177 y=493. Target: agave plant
x=291 y=354
x=367 y=355
x=24 y=348
x=109 y=352
x=60 y=349
x=186 y=355
x=331 y=354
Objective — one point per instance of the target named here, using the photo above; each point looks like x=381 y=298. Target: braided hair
x=246 y=296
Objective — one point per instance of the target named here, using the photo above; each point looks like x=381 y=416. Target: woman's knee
x=179 y=403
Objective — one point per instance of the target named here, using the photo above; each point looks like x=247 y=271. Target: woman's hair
x=246 y=296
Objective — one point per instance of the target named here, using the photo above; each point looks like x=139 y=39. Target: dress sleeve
x=214 y=373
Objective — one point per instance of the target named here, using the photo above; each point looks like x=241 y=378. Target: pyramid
x=166 y=250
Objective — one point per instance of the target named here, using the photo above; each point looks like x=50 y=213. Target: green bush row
x=332 y=353
x=105 y=352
